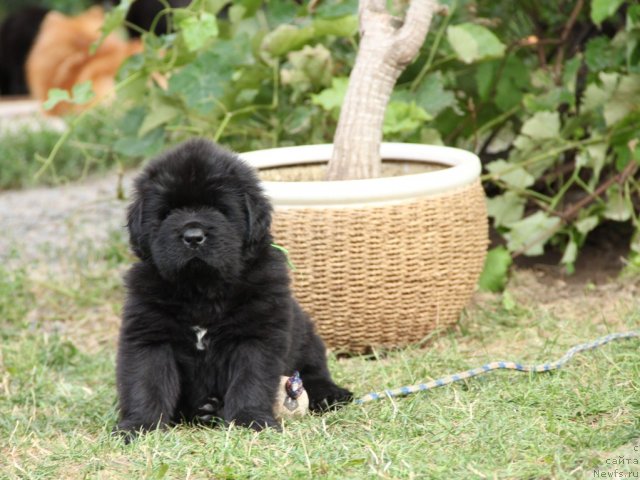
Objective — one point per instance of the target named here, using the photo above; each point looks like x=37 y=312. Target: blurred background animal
x=60 y=56
x=17 y=33
x=42 y=49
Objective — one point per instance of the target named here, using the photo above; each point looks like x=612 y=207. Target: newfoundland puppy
x=209 y=323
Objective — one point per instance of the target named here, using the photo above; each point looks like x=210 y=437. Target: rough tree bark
x=387 y=45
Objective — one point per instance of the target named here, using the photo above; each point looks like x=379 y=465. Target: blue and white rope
x=544 y=367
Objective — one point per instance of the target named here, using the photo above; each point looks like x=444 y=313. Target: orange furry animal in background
x=60 y=56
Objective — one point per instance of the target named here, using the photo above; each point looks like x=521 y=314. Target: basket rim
x=464 y=170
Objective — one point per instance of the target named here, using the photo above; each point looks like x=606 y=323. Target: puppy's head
x=198 y=210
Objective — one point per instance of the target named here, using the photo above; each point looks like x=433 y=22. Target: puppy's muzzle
x=193 y=237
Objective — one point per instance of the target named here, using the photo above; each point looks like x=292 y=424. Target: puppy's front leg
x=254 y=380
x=148 y=386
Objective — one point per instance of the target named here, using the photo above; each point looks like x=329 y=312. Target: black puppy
x=209 y=313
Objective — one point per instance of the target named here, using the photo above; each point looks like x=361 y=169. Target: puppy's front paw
x=256 y=420
x=325 y=395
x=127 y=431
x=210 y=412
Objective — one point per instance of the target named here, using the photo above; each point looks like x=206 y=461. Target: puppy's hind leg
x=148 y=387
x=323 y=393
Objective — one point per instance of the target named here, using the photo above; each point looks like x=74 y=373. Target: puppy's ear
x=258 y=216
x=137 y=238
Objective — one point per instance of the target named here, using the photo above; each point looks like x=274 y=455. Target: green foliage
x=496 y=268
x=603 y=9
x=557 y=117
x=547 y=94
x=473 y=43
x=81 y=93
x=89 y=149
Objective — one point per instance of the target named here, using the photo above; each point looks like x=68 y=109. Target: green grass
x=88 y=151
x=57 y=395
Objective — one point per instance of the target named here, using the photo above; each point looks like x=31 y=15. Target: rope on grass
x=543 y=367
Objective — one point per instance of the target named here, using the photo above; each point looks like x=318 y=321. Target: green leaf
x=309 y=68
x=403 y=117
x=531 y=233
x=198 y=30
x=334 y=9
x=472 y=42
x=431 y=95
x=278 y=12
x=161 y=111
x=485 y=74
x=599 y=55
x=603 y=9
x=203 y=82
x=237 y=13
x=299 y=120
x=130 y=143
x=430 y=136
x=542 y=125
x=496 y=270
x=286 y=38
x=618 y=207
x=570 y=254
x=112 y=20
x=595 y=96
x=593 y=157
x=506 y=208
x=635 y=242
x=624 y=100
x=56 y=95
x=82 y=93
x=330 y=99
x=570 y=74
x=502 y=140
x=340 y=27
x=147 y=145
x=548 y=101
x=513 y=83
x=510 y=173
x=135 y=90
x=585 y=225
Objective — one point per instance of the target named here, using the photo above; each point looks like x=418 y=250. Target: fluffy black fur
x=226 y=278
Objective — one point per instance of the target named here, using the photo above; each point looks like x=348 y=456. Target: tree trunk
x=387 y=46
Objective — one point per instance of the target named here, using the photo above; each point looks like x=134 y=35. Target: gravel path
x=38 y=223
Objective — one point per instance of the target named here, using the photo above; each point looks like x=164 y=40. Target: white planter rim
x=464 y=169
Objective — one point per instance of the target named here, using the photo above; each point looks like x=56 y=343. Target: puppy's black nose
x=193 y=237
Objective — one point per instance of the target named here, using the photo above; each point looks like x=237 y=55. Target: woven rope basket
x=385 y=274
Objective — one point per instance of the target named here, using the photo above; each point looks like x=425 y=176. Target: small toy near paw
x=292 y=399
